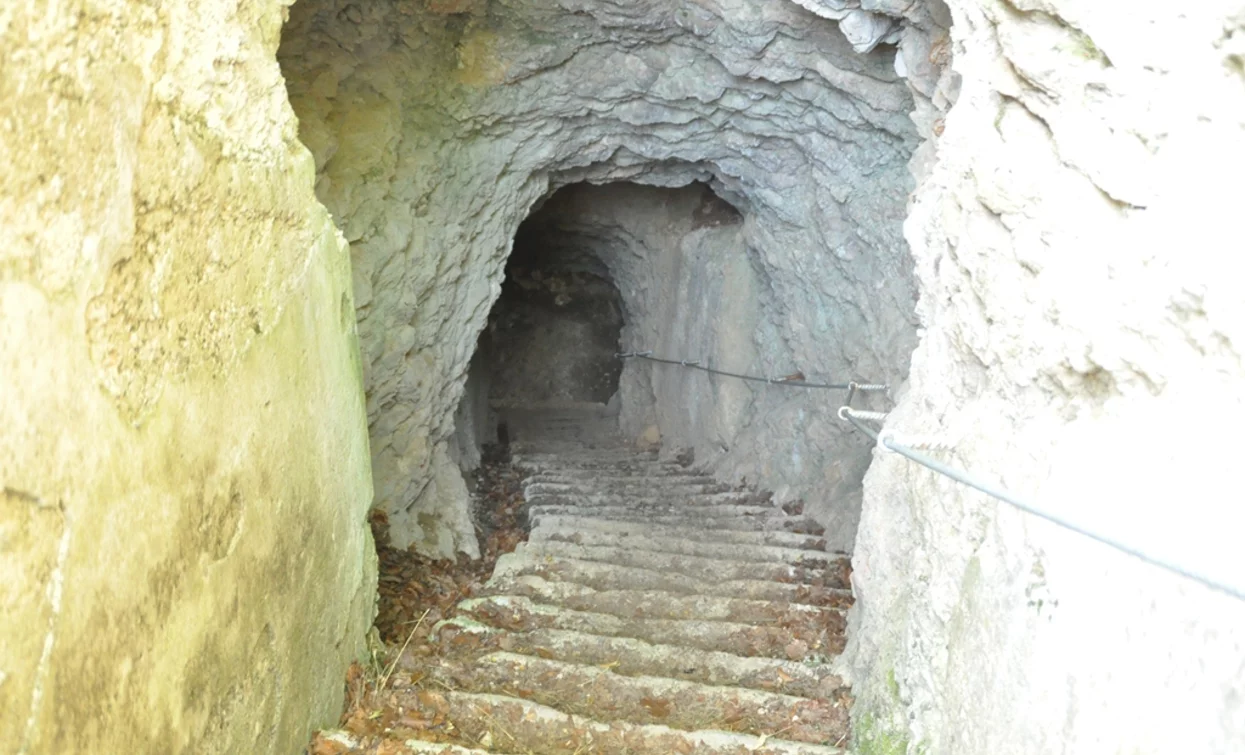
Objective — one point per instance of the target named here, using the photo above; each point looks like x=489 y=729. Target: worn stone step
x=576 y=450
x=515 y=725
x=624 y=509
x=650 y=542
x=697 y=567
x=395 y=743
x=665 y=489
x=517 y=613
x=646 y=468
x=658 y=476
x=653 y=496
x=589 y=460
x=622 y=528
x=656 y=603
x=602 y=695
x=582 y=457
x=631 y=483
x=441 y=748
x=657 y=493
x=613 y=577
x=632 y=657
x=660 y=604
x=613 y=508
x=694 y=519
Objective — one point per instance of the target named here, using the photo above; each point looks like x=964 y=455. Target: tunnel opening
x=430 y=152
x=521 y=206
x=594 y=267
x=553 y=332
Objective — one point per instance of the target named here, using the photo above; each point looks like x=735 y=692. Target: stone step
x=614 y=577
x=603 y=487
x=656 y=499
x=678 y=474
x=646 y=468
x=614 y=507
x=576 y=450
x=660 y=604
x=565 y=461
x=696 y=519
x=796 y=642
x=591 y=479
x=631 y=657
x=654 y=609
x=395 y=744
x=513 y=725
x=649 y=542
x=602 y=695
x=698 y=567
x=440 y=748
x=610 y=505
x=638 y=530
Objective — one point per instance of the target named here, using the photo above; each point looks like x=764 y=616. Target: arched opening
x=553 y=333
x=599 y=269
x=517 y=217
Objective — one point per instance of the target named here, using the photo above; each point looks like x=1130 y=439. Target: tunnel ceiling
x=436 y=126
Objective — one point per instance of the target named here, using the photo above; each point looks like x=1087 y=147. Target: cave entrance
x=596 y=269
x=553 y=333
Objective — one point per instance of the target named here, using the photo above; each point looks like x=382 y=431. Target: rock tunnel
x=794 y=259
x=271 y=271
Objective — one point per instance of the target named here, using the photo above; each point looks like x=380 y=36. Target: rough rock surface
x=185 y=564
x=1083 y=322
x=436 y=128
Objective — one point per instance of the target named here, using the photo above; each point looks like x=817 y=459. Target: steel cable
x=696 y=365
x=1007 y=497
x=854 y=416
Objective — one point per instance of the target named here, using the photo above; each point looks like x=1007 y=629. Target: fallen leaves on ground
x=384 y=709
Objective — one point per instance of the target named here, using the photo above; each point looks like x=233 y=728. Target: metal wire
x=846 y=412
x=1029 y=508
x=855 y=415
x=696 y=365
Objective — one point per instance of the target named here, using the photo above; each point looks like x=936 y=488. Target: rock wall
x=185 y=564
x=1082 y=341
x=437 y=126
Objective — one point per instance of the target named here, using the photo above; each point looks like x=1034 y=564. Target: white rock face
x=436 y=130
x=1083 y=323
x=1080 y=312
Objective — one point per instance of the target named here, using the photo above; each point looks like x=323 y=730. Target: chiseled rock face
x=437 y=126
x=185 y=564
x=1078 y=251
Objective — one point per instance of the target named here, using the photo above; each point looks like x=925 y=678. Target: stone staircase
x=653 y=610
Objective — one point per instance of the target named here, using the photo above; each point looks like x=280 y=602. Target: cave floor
x=651 y=610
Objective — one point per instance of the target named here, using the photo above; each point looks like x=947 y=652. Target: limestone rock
x=185 y=563
x=1082 y=322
